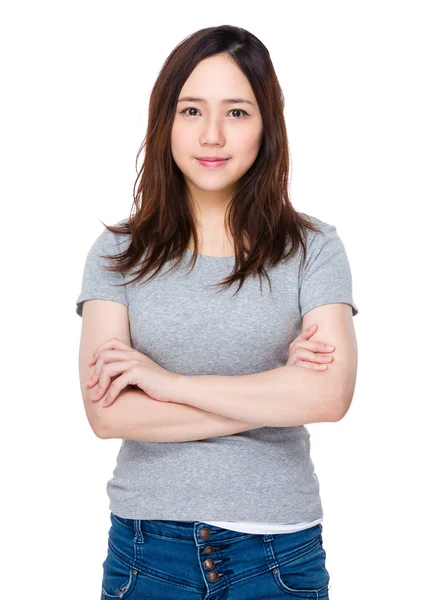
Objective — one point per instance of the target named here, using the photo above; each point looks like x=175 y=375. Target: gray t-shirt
x=261 y=475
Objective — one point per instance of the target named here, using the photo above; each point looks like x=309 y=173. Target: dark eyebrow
x=225 y=101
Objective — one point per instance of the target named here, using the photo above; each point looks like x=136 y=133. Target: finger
x=109 y=371
x=106 y=357
x=315 y=346
x=111 y=344
x=117 y=386
x=101 y=388
x=307 y=333
x=309 y=356
x=309 y=365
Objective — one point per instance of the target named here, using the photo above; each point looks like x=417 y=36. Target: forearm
x=283 y=397
x=136 y=416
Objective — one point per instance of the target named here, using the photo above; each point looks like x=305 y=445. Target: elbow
x=101 y=432
x=95 y=415
x=333 y=416
x=98 y=426
x=343 y=387
x=98 y=431
x=339 y=407
x=102 y=427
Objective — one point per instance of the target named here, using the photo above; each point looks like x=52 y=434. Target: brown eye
x=238 y=110
x=186 y=109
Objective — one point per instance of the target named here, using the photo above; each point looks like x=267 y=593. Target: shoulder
x=326 y=234
x=323 y=226
x=110 y=242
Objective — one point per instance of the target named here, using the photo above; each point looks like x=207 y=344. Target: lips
x=212 y=161
x=211 y=158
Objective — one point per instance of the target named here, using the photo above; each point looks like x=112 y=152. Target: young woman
x=214 y=493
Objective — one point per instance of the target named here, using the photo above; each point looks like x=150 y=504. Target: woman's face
x=212 y=127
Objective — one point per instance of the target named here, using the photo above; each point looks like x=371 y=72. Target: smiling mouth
x=211 y=158
x=212 y=162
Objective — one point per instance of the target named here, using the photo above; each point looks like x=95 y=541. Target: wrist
x=178 y=388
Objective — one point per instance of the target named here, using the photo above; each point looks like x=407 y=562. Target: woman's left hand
x=115 y=359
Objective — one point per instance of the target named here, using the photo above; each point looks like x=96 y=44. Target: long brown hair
x=162 y=222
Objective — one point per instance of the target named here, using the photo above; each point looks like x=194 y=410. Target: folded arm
x=286 y=396
x=283 y=397
x=136 y=416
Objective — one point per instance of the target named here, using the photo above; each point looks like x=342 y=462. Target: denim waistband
x=201 y=531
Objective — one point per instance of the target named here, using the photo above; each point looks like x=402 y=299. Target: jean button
x=204 y=533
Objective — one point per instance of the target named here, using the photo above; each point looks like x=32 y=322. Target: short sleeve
x=97 y=282
x=326 y=275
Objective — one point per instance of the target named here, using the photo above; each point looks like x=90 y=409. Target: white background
x=76 y=79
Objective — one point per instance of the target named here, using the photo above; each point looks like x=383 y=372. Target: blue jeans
x=176 y=560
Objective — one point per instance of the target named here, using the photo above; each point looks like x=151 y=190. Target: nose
x=212 y=132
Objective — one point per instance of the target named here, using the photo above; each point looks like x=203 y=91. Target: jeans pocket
x=120 y=572
x=303 y=573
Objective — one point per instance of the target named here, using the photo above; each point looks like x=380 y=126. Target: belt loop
x=138 y=538
x=267 y=537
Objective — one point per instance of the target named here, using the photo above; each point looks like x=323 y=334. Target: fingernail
x=88 y=382
x=94 y=395
x=330 y=347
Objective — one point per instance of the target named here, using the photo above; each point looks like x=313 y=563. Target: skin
x=214 y=128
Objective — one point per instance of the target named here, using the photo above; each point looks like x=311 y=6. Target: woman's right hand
x=309 y=354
